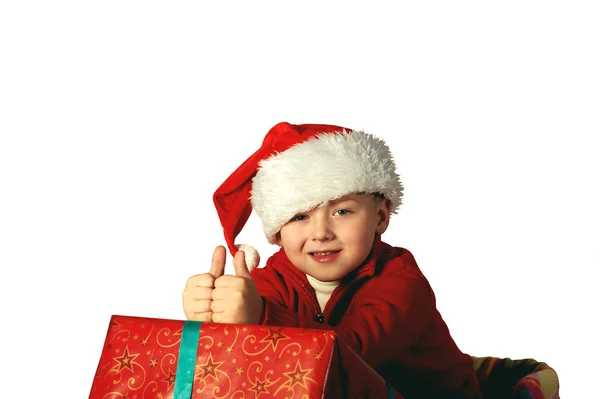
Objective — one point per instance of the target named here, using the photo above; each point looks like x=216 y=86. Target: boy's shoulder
x=392 y=260
x=398 y=262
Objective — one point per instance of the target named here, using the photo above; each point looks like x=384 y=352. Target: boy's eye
x=342 y=212
x=298 y=218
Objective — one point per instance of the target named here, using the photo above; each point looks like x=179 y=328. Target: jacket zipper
x=312 y=302
x=319 y=316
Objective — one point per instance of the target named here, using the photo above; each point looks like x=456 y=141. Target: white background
x=119 y=119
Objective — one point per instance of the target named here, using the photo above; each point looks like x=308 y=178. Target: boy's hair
x=300 y=166
x=377 y=197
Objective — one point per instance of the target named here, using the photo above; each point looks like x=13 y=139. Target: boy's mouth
x=325 y=256
x=324 y=253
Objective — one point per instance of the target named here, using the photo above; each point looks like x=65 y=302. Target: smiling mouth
x=324 y=253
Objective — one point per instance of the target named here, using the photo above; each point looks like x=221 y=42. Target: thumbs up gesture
x=235 y=299
x=197 y=295
x=219 y=298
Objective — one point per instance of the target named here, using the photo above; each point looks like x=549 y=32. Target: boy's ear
x=278 y=238
x=383 y=215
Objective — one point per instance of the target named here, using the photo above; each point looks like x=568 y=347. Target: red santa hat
x=297 y=168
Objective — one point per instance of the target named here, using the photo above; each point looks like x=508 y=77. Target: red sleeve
x=391 y=311
x=274 y=291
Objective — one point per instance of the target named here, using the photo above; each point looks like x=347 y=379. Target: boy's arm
x=273 y=290
x=388 y=318
x=389 y=314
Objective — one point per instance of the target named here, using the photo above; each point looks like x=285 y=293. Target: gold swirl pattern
x=139 y=360
x=208 y=338
x=171 y=362
x=171 y=341
x=117 y=335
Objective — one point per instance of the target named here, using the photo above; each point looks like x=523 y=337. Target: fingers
x=203 y=317
x=199 y=306
x=227 y=292
x=196 y=303
x=239 y=264
x=224 y=310
x=217 y=268
x=200 y=280
x=218 y=306
x=197 y=309
x=191 y=295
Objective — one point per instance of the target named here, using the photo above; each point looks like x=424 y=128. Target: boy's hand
x=198 y=289
x=235 y=299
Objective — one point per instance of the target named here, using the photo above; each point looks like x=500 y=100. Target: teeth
x=322 y=253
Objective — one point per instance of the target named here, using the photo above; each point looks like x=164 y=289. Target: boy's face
x=332 y=240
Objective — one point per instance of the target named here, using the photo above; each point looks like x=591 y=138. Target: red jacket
x=385 y=310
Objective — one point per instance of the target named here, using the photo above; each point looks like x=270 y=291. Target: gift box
x=173 y=359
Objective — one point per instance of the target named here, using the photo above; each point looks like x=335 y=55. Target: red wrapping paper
x=140 y=356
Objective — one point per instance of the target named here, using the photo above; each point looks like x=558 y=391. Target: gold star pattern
x=318 y=356
x=260 y=387
x=148 y=353
x=169 y=379
x=307 y=351
x=234 y=361
x=229 y=349
x=210 y=368
x=145 y=341
x=275 y=335
x=267 y=358
x=153 y=363
x=239 y=371
x=219 y=344
x=125 y=361
x=298 y=376
x=245 y=329
x=287 y=366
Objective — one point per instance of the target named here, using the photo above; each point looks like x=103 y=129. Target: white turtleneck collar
x=323 y=289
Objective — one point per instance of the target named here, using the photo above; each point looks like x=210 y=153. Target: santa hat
x=297 y=168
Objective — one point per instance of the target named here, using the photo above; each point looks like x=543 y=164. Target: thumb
x=217 y=268
x=239 y=264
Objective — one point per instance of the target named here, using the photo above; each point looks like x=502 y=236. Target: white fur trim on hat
x=323 y=168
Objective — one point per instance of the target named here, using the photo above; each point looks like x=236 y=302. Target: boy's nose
x=321 y=229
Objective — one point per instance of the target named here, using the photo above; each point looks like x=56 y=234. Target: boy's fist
x=235 y=299
x=197 y=295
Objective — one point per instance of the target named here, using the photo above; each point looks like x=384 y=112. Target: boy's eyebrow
x=344 y=199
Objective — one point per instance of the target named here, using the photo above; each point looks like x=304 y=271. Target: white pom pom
x=251 y=255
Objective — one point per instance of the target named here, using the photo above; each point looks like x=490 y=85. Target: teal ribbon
x=390 y=390
x=188 y=349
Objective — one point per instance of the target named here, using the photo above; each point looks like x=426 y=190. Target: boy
x=325 y=195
